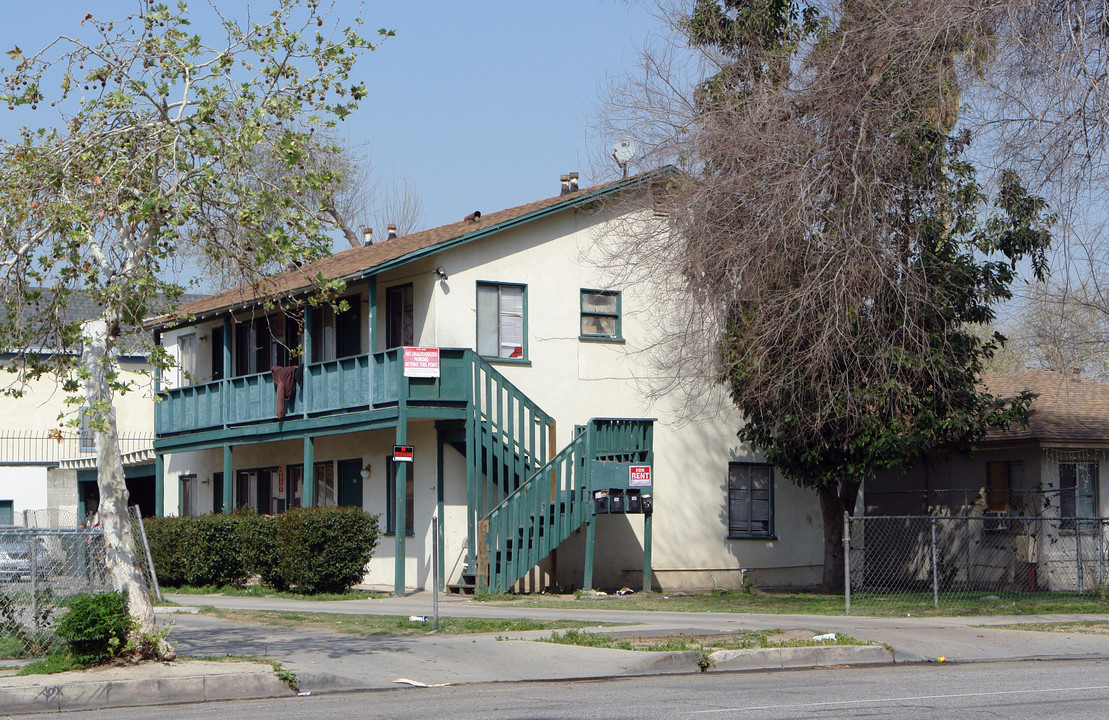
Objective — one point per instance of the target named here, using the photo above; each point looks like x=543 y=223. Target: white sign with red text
x=421 y=362
x=639 y=476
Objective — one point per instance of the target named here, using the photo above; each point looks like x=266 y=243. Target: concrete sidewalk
x=325 y=661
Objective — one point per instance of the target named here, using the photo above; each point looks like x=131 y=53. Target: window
x=261 y=343
x=186 y=360
x=189 y=491
x=326 y=495
x=1077 y=491
x=399 y=317
x=86 y=437
x=501 y=326
x=600 y=315
x=750 y=500
x=1001 y=479
x=391 y=501
x=337 y=335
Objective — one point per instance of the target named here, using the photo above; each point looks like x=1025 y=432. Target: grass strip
x=390 y=625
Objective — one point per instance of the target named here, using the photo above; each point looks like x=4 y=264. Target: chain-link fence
x=40 y=569
x=901 y=562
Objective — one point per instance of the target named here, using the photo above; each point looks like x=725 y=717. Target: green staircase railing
x=531 y=521
x=508 y=438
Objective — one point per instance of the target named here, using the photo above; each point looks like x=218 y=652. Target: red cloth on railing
x=284 y=379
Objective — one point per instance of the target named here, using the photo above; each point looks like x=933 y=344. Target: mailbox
x=646 y=502
x=600 y=502
x=615 y=500
x=633 y=501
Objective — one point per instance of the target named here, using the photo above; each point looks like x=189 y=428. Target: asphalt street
x=1066 y=690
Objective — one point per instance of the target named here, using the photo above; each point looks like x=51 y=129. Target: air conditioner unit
x=996 y=520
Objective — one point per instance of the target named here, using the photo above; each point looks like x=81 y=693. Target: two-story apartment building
x=513 y=368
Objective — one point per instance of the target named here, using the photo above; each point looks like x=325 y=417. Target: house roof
x=1069 y=411
x=370 y=259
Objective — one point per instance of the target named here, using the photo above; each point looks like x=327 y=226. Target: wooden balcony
x=351 y=384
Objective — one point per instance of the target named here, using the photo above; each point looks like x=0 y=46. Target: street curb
x=95 y=695
x=800 y=657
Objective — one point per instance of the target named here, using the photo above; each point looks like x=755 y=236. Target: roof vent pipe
x=573 y=182
x=367 y=236
x=565 y=184
x=392 y=231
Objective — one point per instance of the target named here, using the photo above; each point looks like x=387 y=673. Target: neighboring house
x=47 y=465
x=534 y=340
x=1049 y=469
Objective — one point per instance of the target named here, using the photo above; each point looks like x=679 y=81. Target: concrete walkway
x=325 y=661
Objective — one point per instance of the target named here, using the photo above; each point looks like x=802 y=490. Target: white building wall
x=24 y=485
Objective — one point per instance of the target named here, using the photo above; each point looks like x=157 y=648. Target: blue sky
x=481 y=105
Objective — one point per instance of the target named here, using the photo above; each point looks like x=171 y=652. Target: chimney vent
x=565 y=184
x=367 y=236
x=573 y=182
x=392 y=231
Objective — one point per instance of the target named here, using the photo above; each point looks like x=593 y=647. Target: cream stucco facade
x=572 y=379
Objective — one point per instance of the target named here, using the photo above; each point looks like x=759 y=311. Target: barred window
x=750 y=500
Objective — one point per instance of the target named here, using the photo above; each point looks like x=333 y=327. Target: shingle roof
x=355 y=262
x=1068 y=411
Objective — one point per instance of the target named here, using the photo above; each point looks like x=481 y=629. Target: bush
x=313 y=549
x=196 y=550
x=96 y=627
x=324 y=549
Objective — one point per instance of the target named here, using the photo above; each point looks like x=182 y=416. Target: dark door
x=217 y=354
x=350 y=482
x=217 y=492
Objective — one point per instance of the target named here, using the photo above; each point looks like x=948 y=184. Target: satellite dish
x=623 y=151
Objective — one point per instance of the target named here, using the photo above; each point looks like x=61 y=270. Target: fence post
x=1078 y=554
x=935 y=574
x=846 y=563
x=146 y=548
x=31 y=540
x=1101 y=556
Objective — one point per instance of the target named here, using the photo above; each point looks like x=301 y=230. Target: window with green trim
x=750 y=500
x=502 y=321
x=600 y=315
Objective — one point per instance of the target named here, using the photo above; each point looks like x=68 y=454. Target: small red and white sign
x=421 y=362
x=403 y=453
x=639 y=476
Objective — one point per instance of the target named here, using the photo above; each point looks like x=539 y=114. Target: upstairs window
x=600 y=315
x=501 y=326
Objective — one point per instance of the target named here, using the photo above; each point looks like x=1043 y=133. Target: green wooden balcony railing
x=360 y=382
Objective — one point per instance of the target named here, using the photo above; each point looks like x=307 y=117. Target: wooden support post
x=440 y=565
x=401 y=489
x=228 y=480
x=159 y=485
x=590 y=535
x=308 y=497
x=647 y=552
x=305 y=360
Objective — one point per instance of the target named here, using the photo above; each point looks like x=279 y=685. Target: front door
x=350 y=482
x=399 y=320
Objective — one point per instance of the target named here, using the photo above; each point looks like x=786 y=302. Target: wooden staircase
x=521 y=503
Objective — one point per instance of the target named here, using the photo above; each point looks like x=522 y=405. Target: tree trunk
x=119 y=545
x=834 y=500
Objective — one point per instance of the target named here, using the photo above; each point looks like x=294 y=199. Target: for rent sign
x=639 y=476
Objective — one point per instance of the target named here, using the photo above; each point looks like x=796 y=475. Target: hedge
x=310 y=549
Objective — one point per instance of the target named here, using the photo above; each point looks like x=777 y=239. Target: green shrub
x=203 y=550
x=324 y=549
x=256 y=536
x=314 y=549
x=96 y=627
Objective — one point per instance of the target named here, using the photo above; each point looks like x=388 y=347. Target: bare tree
x=827 y=239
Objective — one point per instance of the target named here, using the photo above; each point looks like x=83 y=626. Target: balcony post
x=159 y=485
x=305 y=359
x=401 y=495
x=224 y=382
x=228 y=479
x=308 y=498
